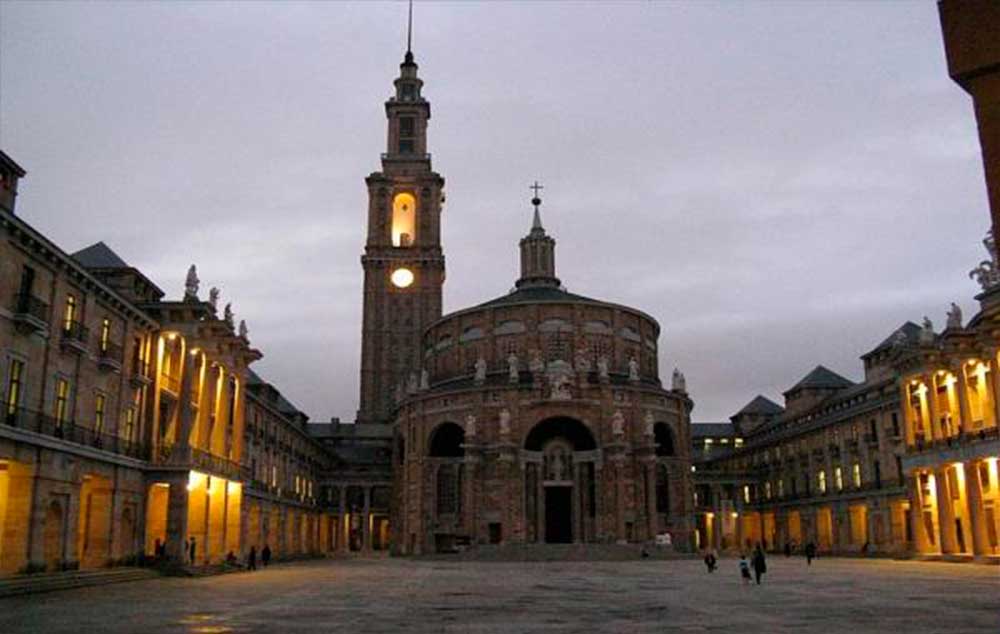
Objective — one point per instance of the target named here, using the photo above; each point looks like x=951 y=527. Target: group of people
x=757 y=562
x=191 y=551
x=265 y=557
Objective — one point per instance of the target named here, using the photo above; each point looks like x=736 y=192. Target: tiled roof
x=99 y=256
x=761 y=405
x=908 y=333
x=821 y=377
x=538 y=294
x=712 y=430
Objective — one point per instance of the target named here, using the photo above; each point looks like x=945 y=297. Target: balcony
x=411 y=156
x=69 y=431
x=217 y=465
x=109 y=356
x=74 y=337
x=140 y=373
x=30 y=313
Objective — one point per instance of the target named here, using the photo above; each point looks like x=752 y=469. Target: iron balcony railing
x=28 y=304
x=40 y=423
x=74 y=331
x=108 y=351
x=215 y=464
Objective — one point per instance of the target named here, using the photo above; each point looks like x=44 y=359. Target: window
x=878 y=475
x=738 y=442
x=27 y=280
x=838 y=478
x=62 y=401
x=406 y=126
x=895 y=425
x=406 y=146
x=746 y=494
x=404 y=219
x=821 y=482
x=99 y=413
x=767 y=490
x=105 y=333
x=856 y=472
x=14 y=379
x=781 y=488
x=69 y=314
x=409 y=92
x=129 y=426
x=663 y=489
x=447 y=490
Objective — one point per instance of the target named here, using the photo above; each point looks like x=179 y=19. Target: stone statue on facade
x=633 y=370
x=560 y=376
x=618 y=423
x=213 y=299
x=512 y=370
x=955 y=316
x=602 y=368
x=227 y=315
x=470 y=426
x=582 y=361
x=648 y=423
x=677 y=382
x=244 y=331
x=191 y=285
x=504 y=423
x=480 y=370
x=987 y=274
x=399 y=392
x=425 y=379
x=927 y=331
x=536 y=363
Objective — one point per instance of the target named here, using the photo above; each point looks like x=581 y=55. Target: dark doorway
x=558 y=510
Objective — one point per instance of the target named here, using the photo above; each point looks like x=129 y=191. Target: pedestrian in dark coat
x=759 y=565
x=810 y=553
x=252 y=559
x=191 y=550
x=710 y=561
x=265 y=555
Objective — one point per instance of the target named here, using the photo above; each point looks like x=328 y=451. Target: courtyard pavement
x=397 y=595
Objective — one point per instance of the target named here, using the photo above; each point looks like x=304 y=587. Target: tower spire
x=409 y=30
x=536 y=223
x=538 y=251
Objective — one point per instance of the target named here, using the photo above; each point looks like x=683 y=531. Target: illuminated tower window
x=404 y=217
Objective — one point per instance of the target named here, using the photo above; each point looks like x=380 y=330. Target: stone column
x=932 y=406
x=921 y=540
x=365 y=528
x=946 y=511
x=994 y=390
x=177 y=520
x=185 y=416
x=974 y=495
x=343 y=534
x=961 y=388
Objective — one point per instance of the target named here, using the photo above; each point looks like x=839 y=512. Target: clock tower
x=403 y=261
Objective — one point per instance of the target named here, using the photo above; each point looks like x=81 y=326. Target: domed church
x=536 y=417
x=539 y=417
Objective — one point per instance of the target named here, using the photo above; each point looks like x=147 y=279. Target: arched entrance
x=560 y=456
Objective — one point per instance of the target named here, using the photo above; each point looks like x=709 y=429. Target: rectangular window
x=105 y=333
x=99 y=413
x=406 y=146
x=27 y=280
x=406 y=126
x=69 y=314
x=129 y=427
x=781 y=488
x=856 y=471
x=746 y=494
x=878 y=475
x=62 y=401
x=895 y=425
x=838 y=478
x=767 y=490
x=821 y=482
x=14 y=379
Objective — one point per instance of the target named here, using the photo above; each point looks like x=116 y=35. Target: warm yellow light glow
x=404 y=219
x=402 y=277
x=171 y=336
x=709 y=515
x=195 y=351
x=735 y=514
x=195 y=480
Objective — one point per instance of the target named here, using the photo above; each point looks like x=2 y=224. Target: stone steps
x=49 y=582
x=561 y=552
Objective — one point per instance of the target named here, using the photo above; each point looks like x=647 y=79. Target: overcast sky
x=779 y=184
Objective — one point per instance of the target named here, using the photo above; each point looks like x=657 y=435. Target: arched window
x=662 y=489
x=404 y=220
x=447 y=440
x=664 y=439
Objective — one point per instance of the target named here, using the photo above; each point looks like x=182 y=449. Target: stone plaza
x=439 y=595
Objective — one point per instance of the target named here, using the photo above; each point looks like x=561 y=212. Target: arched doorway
x=560 y=481
x=54 y=533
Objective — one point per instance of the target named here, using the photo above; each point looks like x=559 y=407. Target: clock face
x=402 y=277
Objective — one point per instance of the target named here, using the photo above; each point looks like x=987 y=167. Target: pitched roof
x=761 y=405
x=908 y=333
x=99 y=256
x=821 y=377
x=712 y=430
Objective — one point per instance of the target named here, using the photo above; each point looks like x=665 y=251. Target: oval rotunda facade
x=539 y=417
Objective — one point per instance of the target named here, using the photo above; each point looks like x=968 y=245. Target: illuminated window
x=69 y=314
x=821 y=481
x=105 y=333
x=838 y=479
x=404 y=219
x=767 y=490
x=746 y=494
x=62 y=400
x=738 y=442
x=129 y=426
x=724 y=441
x=781 y=488
x=856 y=471
x=99 y=413
x=13 y=396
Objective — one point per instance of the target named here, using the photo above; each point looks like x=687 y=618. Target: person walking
x=788 y=549
x=192 y=549
x=810 y=553
x=252 y=559
x=759 y=564
x=710 y=561
x=744 y=569
x=265 y=555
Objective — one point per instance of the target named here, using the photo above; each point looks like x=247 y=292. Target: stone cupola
x=538 y=254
